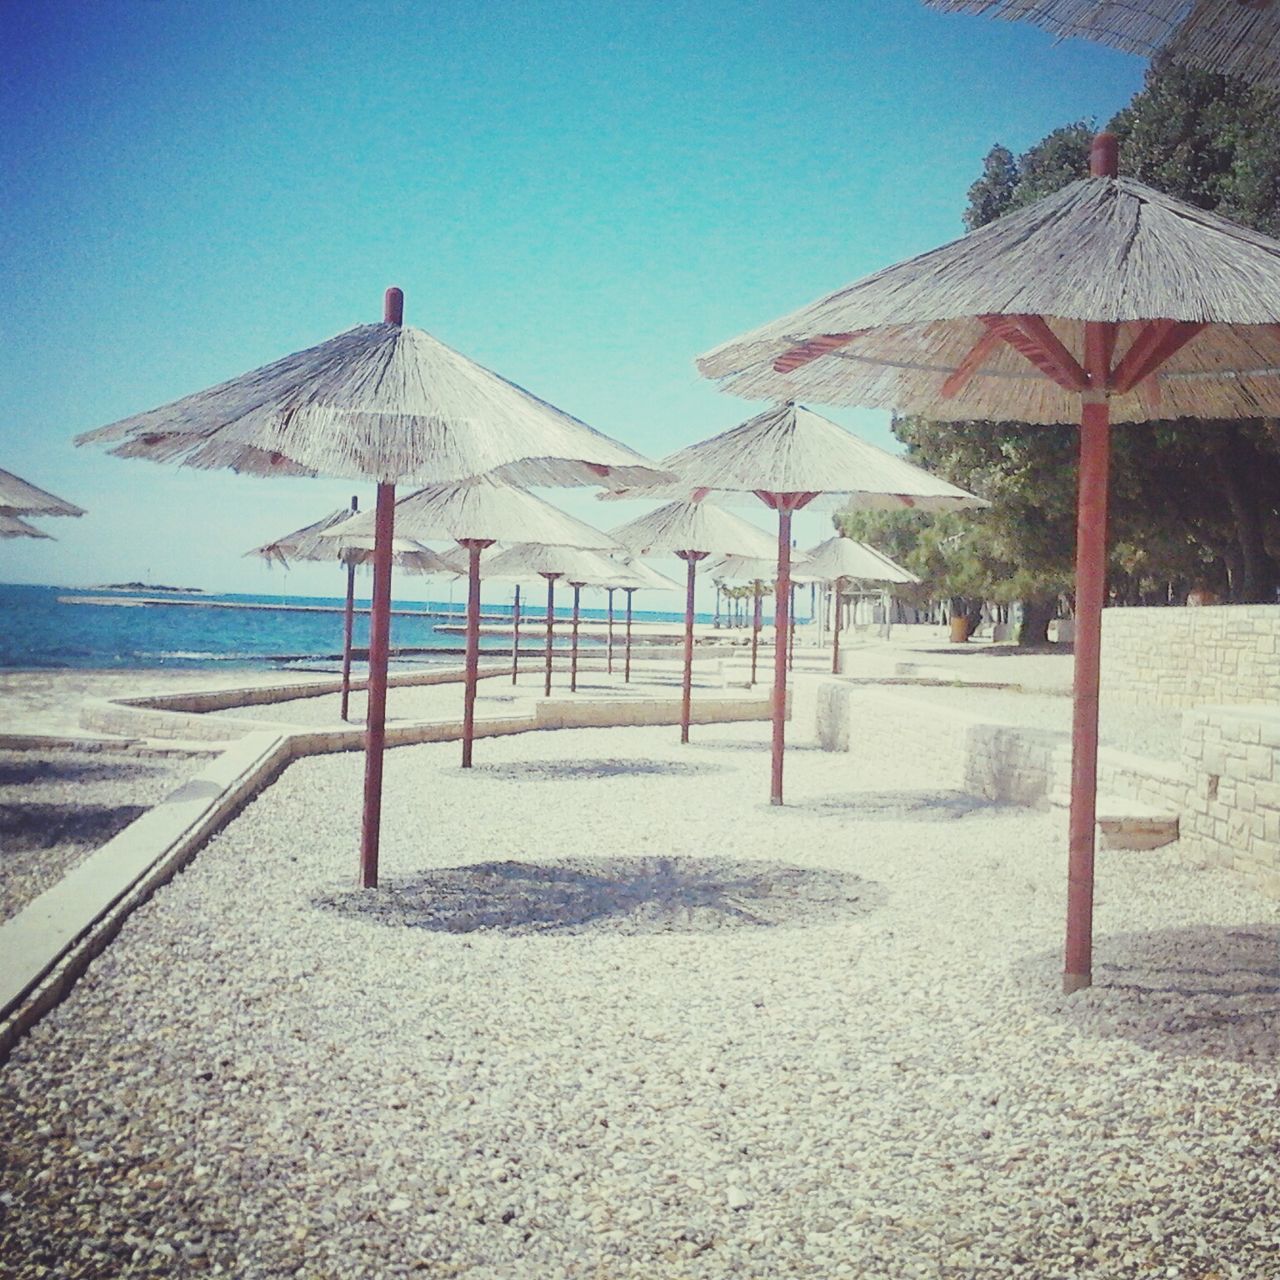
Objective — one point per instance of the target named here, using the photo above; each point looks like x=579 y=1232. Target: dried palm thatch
x=12 y=527
x=757 y=568
x=790 y=449
x=926 y=335
x=1238 y=37
x=528 y=561
x=842 y=557
x=484 y=509
x=386 y=402
x=308 y=544
x=19 y=497
x=632 y=574
x=693 y=526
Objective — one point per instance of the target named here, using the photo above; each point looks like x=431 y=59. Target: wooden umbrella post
x=791 y=630
x=573 y=644
x=691 y=559
x=376 y=714
x=835 y=644
x=474 y=546
x=780 y=609
x=551 y=626
x=608 y=660
x=379 y=647
x=515 y=636
x=1091 y=578
x=348 y=624
x=757 y=590
x=626 y=676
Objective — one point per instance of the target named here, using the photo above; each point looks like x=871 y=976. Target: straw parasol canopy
x=692 y=530
x=698 y=526
x=18 y=497
x=308 y=543
x=790 y=457
x=1107 y=301
x=842 y=557
x=991 y=326
x=578 y=566
x=12 y=527
x=839 y=558
x=476 y=513
x=384 y=402
x=1238 y=37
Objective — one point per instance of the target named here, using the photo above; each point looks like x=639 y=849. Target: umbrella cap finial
x=1104 y=156
x=393 y=306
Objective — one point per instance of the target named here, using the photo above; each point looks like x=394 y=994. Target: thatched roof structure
x=308 y=543
x=791 y=449
x=481 y=508
x=1238 y=37
x=386 y=402
x=756 y=568
x=18 y=497
x=932 y=335
x=693 y=526
x=527 y=561
x=12 y=527
x=631 y=573
x=842 y=557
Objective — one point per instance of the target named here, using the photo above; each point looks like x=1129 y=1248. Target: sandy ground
x=613 y=1015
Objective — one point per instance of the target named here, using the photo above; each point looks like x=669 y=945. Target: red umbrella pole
x=835 y=644
x=348 y=623
x=379 y=644
x=608 y=661
x=1091 y=571
x=515 y=636
x=791 y=632
x=758 y=591
x=376 y=714
x=551 y=625
x=691 y=559
x=780 y=620
x=631 y=591
x=573 y=647
x=474 y=547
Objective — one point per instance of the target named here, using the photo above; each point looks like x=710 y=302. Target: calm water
x=43 y=627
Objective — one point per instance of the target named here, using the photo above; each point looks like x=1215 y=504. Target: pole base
x=1072 y=982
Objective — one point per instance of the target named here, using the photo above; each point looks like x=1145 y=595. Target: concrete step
x=1127 y=824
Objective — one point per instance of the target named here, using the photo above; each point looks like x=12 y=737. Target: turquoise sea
x=45 y=627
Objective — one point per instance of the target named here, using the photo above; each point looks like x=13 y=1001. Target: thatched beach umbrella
x=1105 y=302
x=383 y=402
x=692 y=531
x=841 y=558
x=579 y=567
x=757 y=571
x=18 y=497
x=790 y=457
x=631 y=574
x=308 y=543
x=1237 y=37
x=476 y=513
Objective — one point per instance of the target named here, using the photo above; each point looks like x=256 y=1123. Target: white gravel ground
x=251 y=1083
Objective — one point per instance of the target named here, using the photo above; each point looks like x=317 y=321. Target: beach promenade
x=613 y=1015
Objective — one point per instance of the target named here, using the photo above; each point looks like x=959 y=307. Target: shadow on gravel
x=616 y=895
x=16 y=773
x=894 y=806
x=1004 y=650
x=1210 y=991
x=739 y=744
x=585 y=770
x=24 y=827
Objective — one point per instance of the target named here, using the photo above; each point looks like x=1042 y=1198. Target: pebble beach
x=612 y=1015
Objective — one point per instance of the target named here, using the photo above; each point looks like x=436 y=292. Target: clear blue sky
x=582 y=196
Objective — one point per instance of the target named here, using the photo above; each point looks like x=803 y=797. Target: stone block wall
x=1185 y=657
x=1232 y=813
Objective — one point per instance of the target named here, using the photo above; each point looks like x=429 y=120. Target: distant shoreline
x=148 y=586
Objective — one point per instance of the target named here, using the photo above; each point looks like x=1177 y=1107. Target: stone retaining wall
x=1185 y=657
x=1232 y=814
